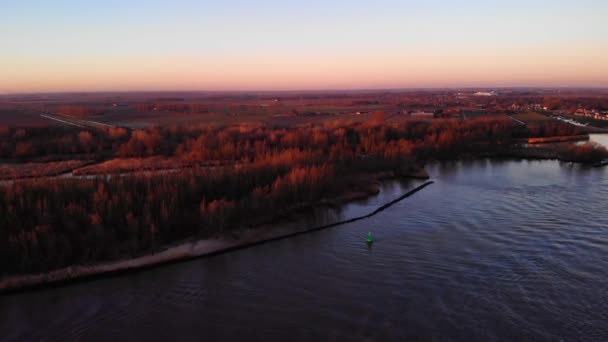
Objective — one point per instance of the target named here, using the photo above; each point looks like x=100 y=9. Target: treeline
x=196 y=107
x=78 y=111
x=572 y=103
x=49 y=224
x=202 y=143
x=174 y=107
x=553 y=129
x=589 y=152
x=49 y=142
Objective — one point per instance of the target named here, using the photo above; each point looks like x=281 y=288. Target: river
x=511 y=250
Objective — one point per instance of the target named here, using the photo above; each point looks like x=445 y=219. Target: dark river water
x=514 y=250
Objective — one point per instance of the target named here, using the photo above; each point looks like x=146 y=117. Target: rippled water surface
x=513 y=250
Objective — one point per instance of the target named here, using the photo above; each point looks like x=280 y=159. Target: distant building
x=481 y=93
x=536 y=106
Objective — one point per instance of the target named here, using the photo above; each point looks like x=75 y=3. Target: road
x=74 y=121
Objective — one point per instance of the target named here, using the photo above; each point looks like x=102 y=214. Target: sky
x=110 y=45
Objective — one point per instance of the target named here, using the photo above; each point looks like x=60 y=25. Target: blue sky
x=45 y=37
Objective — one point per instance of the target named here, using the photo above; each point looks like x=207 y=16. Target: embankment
x=582 y=137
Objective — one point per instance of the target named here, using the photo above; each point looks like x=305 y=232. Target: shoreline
x=538 y=149
x=555 y=139
x=261 y=231
x=538 y=152
x=245 y=238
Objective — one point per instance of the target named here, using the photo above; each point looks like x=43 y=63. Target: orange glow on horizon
x=539 y=66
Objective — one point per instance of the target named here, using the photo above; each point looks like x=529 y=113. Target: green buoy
x=370 y=238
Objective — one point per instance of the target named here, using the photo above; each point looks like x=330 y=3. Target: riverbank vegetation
x=207 y=144
x=221 y=179
x=37 y=170
x=589 y=152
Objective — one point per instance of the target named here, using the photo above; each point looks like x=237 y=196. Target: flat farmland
x=137 y=120
x=24 y=118
x=532 y=117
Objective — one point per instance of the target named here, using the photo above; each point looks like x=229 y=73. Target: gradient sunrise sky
x=292 y=45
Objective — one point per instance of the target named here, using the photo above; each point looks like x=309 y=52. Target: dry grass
x=125 y=165
x=531 y=117
x=31 y=170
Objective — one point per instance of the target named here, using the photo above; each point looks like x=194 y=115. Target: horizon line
x=340 y=90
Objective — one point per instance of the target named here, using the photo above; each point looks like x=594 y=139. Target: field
x=139 y=110
x=24 y=118
x=126 y=165
x=531 y=117
x=137 y=120
x=281 y=109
